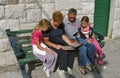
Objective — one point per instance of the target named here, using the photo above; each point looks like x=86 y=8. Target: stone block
x=79 y=11
x=14 y=1
x=2 y=33
x=4 y=2
x=2 y=13
x=86 y=9
x=21 y=1
x=88 y=0
x=47 y=10
x=67 y=4
x=27 y=26
x=117 y=3
x=30 y=1
x=33 y=6
x=116 y=24
x=15 y=11
x=30 y=6
x=91 y=18
x=4 y=45
x=23 y=20
x=116 y=33
x=48 y=1
x=12 y=24
x=33 y=15
x=117 y=14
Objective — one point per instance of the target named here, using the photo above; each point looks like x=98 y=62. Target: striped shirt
x=85 y=32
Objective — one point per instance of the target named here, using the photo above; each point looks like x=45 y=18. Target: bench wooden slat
x=18 y=32
x=28 y=58
x=23 y=42
x=26 y=49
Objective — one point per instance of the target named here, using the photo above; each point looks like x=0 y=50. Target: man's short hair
x=72 y=11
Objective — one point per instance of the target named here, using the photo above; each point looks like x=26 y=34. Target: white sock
x=70 y=71
x=46 y=71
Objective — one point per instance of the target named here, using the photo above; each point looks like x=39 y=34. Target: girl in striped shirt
x=86 y=32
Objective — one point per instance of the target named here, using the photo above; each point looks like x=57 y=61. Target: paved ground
x=112 y=63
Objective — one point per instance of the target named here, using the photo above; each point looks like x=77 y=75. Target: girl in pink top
x=86 y=32
x=40 y=50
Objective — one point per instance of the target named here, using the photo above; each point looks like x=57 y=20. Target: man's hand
x=89 y=40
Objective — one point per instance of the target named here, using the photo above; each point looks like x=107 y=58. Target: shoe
x=100 y=62
x=82 y=70
x=62 y=73
x=89 y=67
x=70 y=71
x=46 y=71
x=44 y=68
x=103 y=55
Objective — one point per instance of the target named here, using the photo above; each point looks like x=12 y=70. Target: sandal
x=82 y=70
x=89 y=67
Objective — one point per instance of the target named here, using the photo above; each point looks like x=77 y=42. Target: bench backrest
x=21 y=44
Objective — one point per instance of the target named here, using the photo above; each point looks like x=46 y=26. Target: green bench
x=21 y=45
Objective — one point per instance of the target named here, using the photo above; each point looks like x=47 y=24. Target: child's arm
x=90 y=40
x=44 y=49
x=49 y=43
x=93 y=36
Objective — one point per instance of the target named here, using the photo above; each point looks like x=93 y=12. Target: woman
x=55 y=38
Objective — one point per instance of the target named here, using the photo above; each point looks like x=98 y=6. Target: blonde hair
x=42 y=23
x=57 y=16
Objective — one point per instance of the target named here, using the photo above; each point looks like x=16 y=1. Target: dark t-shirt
x=55 y=35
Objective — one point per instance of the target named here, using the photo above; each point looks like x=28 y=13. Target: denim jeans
x=84 y=51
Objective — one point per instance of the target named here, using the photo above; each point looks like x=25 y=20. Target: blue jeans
x=84 y=51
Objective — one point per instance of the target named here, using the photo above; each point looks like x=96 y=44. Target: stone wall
x=24 y=14
x=116 y=22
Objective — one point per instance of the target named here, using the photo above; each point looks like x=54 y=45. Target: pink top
x=36 y=35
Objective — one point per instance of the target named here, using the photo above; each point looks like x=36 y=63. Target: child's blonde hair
x=42 y=23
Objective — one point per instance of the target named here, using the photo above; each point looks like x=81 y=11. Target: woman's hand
x=58 y=47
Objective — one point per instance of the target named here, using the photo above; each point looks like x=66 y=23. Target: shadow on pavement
x=100 y=68
x=32 y=65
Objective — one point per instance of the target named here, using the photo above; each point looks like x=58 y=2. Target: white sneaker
x=61 y=73
x=44 y=68
x=46 y=71
x=70 y=71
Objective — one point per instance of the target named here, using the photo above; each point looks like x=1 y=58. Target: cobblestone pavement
x=111 y=68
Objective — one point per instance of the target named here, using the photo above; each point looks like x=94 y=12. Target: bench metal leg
x=24 y=73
